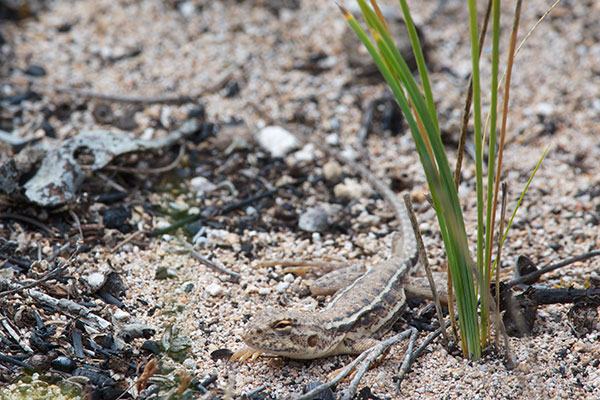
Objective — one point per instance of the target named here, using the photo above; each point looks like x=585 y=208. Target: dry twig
x=425 y=262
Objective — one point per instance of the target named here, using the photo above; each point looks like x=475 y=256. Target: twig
x=425 y=262
x=377 y=349
x=28 y=220
x=373 y=355
x=77 y=223
x=252 y=393
x=16 y=261
x=146 y=171
x=499 y=260
x=15 y=335
x=219 y=83
x=208 y=263
x=408 y=358
x=49 y=275
x=537 y=274
x=166 y=99
x=128 y=239
x=7 y=359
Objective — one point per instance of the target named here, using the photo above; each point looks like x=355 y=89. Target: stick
x=379 y=349
x=425 y=262
x=208 y=263
x=364 y=366
x=537 y=274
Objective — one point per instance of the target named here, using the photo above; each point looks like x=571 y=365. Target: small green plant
x=471 y=278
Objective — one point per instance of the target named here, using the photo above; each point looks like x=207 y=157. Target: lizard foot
x=245 y=354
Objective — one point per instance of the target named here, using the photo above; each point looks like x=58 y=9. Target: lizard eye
x=282 y=325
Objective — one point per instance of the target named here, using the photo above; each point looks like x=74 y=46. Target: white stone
x=200 y=185
x=214 y=290
x=277 y=141
x=189 y=363
x=333 y=139
x=96 y=280
x=307 y=153
x=349 y=190
x=332 y=171
x=121 y=315
x=187 y=9
x=314 y=219
x=263 y=291
x=282 y=287
x=289 y=278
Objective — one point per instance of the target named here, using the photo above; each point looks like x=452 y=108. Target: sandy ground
x=554 y=102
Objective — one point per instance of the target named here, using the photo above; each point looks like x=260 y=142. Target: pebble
x=277 y=141
x=189 y=363
x=214 y=289
x=289 y=278
x=332 y=171
x=187 y=9
x=95 y=280
x=314 y=219
x=200 y=185
x=333 y=139
x=349 y=190
x=263 y=291
x=282 y=287
x=307 y=153
x=251 y=289
x=121 y=315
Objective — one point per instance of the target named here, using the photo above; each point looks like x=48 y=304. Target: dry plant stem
x=409 y=358
x=110 y=182
x=16 y=336
x=425 y=262
x=509 y=66
x=372 y=353
x=63 y=304
x=145 y=171
x=49 y=275
x=128 y=239
x=169 y=99
x=499 y=260
x=364 y=366
x=537 y=274
x=252 y=393
x=208 y=263
x=28 y=220
x=77 y=223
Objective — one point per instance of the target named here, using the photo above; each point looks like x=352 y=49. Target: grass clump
x=470 y=276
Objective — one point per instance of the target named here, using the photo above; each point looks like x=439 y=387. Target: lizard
x=357 y=316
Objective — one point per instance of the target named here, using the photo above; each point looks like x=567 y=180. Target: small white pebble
x=251 y=289
x=214 y=290
x=289 y=278
x=263 y=291
x=189 y=363
x=161 y=224
x=282 y=287
x=333 y=139
x=121 y=315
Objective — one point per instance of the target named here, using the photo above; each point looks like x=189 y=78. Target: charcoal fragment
x=63 y=364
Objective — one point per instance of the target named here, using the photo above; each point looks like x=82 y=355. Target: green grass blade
x=523 y=194
x=420 y=59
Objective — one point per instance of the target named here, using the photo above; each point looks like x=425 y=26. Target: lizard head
x=292 y=334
